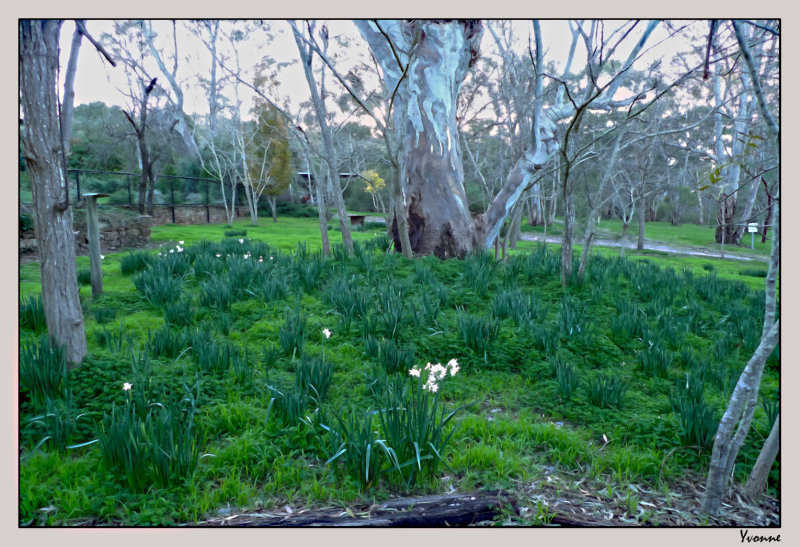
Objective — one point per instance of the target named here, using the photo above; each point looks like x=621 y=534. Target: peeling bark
x=439 y=219
x=426 y=63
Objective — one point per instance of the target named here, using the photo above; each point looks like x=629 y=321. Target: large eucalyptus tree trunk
x=38 y=68
x=425 y=62
x=439 y=220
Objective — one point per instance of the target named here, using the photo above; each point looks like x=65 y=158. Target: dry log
x=427 y=511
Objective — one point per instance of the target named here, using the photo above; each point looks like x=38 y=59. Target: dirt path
x=651 y=246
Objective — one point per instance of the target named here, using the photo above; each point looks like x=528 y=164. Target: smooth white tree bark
x=736 y=420
x=757 y=480
x=741 y=407
x=439 y=220
x=331 y=157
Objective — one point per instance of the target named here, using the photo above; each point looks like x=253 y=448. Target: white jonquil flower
x=127 y=386
x=435 y=373
x=452 y=364
x=431 y=386
x=326 y=332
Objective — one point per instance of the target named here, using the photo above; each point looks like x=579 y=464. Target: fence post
x=130 y=198
x=172 y=199
x=208 y=207
x=93 y=233
x=78 y=185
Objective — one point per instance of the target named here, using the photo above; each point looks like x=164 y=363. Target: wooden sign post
x=752 y=227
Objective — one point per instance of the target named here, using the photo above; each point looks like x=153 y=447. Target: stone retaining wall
x=192 y=214
x=116 y=232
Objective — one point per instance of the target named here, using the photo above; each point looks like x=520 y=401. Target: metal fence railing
x=174 y=190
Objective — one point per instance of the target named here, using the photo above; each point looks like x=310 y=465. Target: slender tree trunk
x=741 y=127
x=568 y=189
x=38 y=66
x=145 y=156
x=700 y=208
x=569 y=229
x=249 y=191
x=726 y=221
x=151 y=186
x=587 y=246
x=399 y=225
x=515 y=231
x=748 y=211
x=69 y=91
x=724 y=452
x=319 y=187
x=598 y=204
x=767 y=220
x=757 y=480
x=232 y=211
x=551 y=216
x=331 y=158
x=273 y=205
x=147 y=182
x=536 y=208
x=640 y=239
x=739 y=413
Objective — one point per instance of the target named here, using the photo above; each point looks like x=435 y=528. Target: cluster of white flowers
x=171 y=251
x=435 y=373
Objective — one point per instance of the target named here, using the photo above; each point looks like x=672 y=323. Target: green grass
x=729 y=269
x=688 y=235
x=684 y=235
x=260 y=455
x=282 y=235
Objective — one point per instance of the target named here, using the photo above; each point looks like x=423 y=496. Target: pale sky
x=96 y=80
